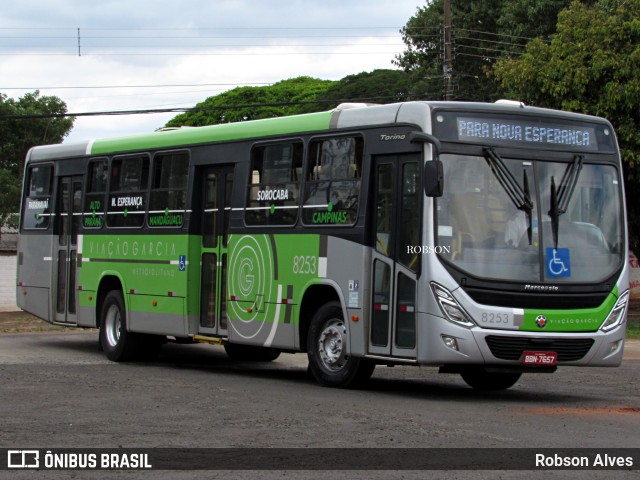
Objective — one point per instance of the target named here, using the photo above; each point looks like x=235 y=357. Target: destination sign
x=536 y=132
x=470 y=129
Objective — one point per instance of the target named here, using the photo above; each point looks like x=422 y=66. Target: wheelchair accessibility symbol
x=558 y=262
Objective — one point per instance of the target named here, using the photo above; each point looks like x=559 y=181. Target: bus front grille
x=512 y=348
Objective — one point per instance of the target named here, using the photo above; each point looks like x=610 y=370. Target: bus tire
x=480 y=379
x=251 y=353
x=329 y=362
x=118 y=344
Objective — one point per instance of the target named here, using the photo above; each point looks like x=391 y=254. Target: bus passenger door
x=68 y=216
x=216 y=208
x=397 y=227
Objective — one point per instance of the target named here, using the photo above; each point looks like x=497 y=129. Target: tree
x=296 y=96
x=592 y=66
x=252 y=103
x=483 y=31
x=516 y=17
x=9 y=198
x=379 y=86
x=18 y=135
x=21 y=129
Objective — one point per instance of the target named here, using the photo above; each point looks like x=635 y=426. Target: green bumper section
x=575 y=320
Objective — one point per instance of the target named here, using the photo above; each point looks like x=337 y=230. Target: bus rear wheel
x=329 y=362
x=118 y=344
x=479 y=379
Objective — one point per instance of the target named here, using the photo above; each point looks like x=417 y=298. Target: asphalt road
x=59 y=391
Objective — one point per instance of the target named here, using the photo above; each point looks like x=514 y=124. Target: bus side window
x=128 y=191
x=274 y=192
x=37 y=204
x=332 y=189
x=94 y=200
x=168 y=190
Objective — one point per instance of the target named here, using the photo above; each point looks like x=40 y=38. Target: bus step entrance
x=210 y=340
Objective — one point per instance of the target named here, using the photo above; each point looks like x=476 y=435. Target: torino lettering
x=386 y=138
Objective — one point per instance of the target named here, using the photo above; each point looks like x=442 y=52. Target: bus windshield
x=530 y=220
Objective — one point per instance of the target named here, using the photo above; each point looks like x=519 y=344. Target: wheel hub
x=331 y=345
x=112 y=325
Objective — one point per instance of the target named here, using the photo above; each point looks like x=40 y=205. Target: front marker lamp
x=616 y=317
x=450 y=307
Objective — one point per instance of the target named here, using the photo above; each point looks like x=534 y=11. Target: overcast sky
x=199 y=48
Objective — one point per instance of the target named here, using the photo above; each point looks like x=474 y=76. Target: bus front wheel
x=329 y=362
x=480 y=379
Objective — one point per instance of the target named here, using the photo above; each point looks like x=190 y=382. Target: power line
x=192 y=109
x=173 y=41
x=510 y=52
x=496 y=42
x=93 y=53
x=136 y=29
x=66 y=87
x=207 y=54
x=486 y=57
x=216 y=37
x=508 y=35
x=226 y=45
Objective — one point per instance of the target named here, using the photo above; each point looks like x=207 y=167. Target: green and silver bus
x=488 y=240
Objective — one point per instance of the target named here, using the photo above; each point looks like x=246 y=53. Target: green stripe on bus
x=215 y=133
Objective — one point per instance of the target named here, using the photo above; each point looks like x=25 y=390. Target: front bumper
x=505 y=348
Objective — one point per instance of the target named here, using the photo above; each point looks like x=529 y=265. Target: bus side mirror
x=433 y=178
x=433 y=175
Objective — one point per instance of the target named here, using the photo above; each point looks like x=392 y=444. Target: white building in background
x=8 y=263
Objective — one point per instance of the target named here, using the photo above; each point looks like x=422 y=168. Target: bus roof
x=187 y=136
x=346 y=115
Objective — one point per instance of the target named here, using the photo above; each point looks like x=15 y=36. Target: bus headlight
x=450 y=307
x=616 y=317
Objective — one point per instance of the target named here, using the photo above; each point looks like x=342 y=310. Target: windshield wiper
x=561 y=196
x=520 y=197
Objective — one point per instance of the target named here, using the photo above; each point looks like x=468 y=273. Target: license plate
x=540 y=358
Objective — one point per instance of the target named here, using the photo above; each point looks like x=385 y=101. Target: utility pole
x=448 y=63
